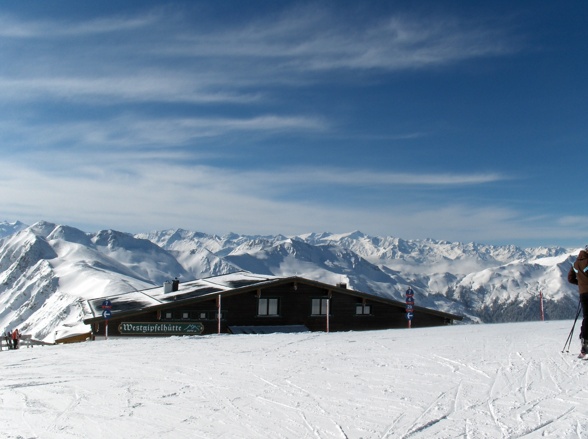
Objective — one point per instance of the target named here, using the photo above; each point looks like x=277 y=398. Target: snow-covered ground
x=464 y=381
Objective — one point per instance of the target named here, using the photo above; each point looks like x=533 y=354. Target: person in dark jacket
x=578 y=275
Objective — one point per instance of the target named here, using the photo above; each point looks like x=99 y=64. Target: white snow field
x=463 y=381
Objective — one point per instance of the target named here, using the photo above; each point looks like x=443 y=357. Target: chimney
x=167 y=287
x=342 y=285
x=175 y=284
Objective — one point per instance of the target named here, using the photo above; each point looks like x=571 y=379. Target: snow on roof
x=137 y=301
x=141 y=299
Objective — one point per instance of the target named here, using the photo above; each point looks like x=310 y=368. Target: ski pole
x=569 y=340
x=570 y=336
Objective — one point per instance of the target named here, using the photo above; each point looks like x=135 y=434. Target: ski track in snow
x=472 y=382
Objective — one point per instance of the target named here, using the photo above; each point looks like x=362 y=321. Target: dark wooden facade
x=279 y=303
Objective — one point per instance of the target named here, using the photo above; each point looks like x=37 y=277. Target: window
x=361 y=309
x=319 y=306
x=193 y=315
x=268 y=307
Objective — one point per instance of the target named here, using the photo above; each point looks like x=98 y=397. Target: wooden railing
x=25 y=340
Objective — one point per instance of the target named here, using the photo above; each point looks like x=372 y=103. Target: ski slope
x=465 y=381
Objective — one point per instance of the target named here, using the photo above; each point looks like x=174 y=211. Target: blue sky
x=451 y=120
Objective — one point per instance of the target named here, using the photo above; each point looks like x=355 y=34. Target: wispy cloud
x=148 y=196
x=313 y=39
x=14 y=27
x=109 y=90
x=352 y=177
x=133 y=131
x=230 y=64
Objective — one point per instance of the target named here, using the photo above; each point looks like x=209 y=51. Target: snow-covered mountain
x=7 y=228
x=47 y=271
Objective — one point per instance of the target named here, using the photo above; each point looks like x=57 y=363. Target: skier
x=578 y=275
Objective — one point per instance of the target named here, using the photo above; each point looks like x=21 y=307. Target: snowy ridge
x=7 y=229
x=47 y=270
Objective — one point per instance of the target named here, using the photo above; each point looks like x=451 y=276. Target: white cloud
x=353 y=177
x=136 y=132
x=317 y=39
x=13 y=27
x=151 y=195
x=191 y=63
x=108 y=90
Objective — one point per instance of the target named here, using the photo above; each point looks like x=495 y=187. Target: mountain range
x=49 y=271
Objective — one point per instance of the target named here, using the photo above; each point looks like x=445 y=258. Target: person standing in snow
x=8 y=339
x=15 y=338
x=578 y=275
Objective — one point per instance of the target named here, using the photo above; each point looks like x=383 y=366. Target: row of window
x=267 y=307
x=192 y=315
x=320 y=307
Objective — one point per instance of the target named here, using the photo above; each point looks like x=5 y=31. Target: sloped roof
x=152 y=299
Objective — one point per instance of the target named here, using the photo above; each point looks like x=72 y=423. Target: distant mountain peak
x=43 y=228
x=10 y=228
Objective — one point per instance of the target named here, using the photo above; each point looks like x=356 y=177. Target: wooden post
x=328 y=313
x=218 y=317
x=541 y=305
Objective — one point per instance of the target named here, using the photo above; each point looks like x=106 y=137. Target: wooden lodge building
x=251 y=303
